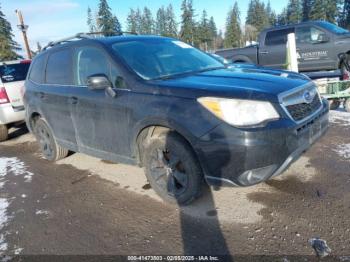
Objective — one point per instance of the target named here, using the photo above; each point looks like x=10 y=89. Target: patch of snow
x=340 y=118
x=14 y=167
x=18 y=251
x=343 y=151
x=42 y=212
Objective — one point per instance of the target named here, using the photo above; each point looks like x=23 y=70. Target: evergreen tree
x=282 y=17
x=188 y=24
x=161 y=22
x=131 y=21
x=331 y=10
x=171 y=25
x=117 y=26
x=294 y=12
x=8 y=46
x=105 y=21
x=90 y=21
x=344 y=19
x=204 y=31
x=213 y=33
x=219 y=43
x=306 y=9
x=147 y=22
x=233 y=33
x=257 y=16
x=318 y=11
x=138 y=21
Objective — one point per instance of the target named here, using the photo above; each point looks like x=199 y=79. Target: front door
x=314 y=47
x=100 y=120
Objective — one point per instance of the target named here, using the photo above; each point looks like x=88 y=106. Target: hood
x=242 y=82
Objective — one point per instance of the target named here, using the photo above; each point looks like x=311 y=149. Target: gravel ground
x=87 y=206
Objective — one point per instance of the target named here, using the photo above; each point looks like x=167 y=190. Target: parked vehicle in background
x=178 y=112
x=320 y=46
x=12 y=77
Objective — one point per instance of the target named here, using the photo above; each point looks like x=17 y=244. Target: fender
x=159 y=121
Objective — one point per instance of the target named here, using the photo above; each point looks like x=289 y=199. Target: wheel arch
x=33 y=117
x=151 y=128
x=241 y=59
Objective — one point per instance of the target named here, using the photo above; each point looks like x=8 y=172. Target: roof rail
x=88 y=35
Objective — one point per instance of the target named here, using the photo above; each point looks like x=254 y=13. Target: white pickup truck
x=12 y=77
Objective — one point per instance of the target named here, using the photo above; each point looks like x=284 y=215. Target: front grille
x=304 y=110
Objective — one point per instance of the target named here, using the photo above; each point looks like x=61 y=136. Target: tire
x=347 y=105
x=172 y=168
x=334 y=104
x=4 y=133
x=48 y=145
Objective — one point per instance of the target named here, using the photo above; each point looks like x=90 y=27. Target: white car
x=12 y=77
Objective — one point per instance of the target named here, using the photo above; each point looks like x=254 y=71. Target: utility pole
x=23 y=28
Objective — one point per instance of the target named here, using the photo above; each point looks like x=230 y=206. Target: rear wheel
x=347 y=105
x=334 y=104
x=3 y=133
x=172 y=168
x=48 y=145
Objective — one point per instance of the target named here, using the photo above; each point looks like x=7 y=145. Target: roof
x=291 y=25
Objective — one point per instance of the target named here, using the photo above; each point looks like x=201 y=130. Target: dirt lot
x=83 y=205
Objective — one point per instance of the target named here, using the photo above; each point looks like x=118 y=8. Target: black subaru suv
x=176 y=111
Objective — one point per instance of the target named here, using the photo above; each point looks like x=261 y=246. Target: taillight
x=26 y=61
x=3 y=96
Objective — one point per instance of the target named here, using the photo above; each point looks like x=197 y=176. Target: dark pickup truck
x=320 y=46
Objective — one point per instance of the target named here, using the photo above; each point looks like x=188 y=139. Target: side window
x=278 y=37
x=38 y=69
x=309 y=35
x=91 y=61
x=58 y=69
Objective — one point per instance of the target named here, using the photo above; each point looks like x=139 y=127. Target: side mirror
x=98 y=82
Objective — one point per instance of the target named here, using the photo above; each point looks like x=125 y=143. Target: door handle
x=73 y=100
x=41 y=95
x=264 y=52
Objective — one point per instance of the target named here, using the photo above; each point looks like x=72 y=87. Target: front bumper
x=235 y=157
x=9 y=115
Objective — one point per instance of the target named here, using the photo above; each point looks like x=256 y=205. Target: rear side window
x=278 y=37
x=14 y=72
x=58 y=69
x=38 y=68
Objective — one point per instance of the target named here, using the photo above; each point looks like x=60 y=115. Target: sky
x=55 y=19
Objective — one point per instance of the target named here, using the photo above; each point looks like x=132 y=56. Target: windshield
x=333 y=28
x=163 y=58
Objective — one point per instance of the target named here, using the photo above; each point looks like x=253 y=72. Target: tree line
x=200 y=29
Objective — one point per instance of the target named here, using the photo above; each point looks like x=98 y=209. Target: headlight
x=239 y=112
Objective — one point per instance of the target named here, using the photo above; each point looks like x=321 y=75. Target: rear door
x=13 y=76
x=54 y=96
x=273 y=52
x=315 y=48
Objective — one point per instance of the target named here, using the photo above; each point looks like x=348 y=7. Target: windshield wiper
x=165 y=77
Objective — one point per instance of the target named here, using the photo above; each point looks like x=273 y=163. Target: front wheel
x=172 y=168
x=334 y=104
x=3 y=133
x=345 y=71
x=48 y=145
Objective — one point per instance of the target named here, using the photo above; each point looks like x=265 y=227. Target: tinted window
x=14 y=72
x=90 y=61
x=58 y=70
x=38 y=69
x=278 y=37
x=308 y=34
x=162 y=58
